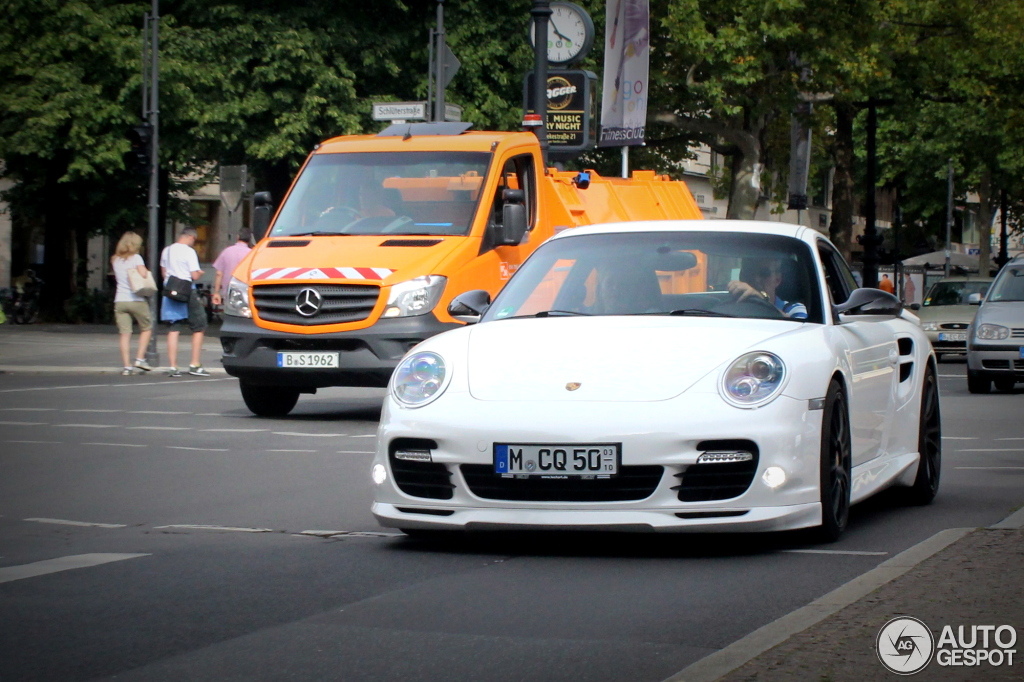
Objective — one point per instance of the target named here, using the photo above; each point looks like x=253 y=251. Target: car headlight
x=991 y=332
x=753 y=379
x=237 y=301
x=930 y=326
x=419 y=379
x=415 y=297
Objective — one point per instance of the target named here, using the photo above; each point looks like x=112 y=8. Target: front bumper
x=367 y=356
x=944 y=345
x=664 y=434
x=997 y=360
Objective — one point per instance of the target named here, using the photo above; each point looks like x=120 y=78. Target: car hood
x=948 y=313
x=387 y=259
x=627 y=358
x=1006 y=313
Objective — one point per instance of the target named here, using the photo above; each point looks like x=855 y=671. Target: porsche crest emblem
x=572 y=385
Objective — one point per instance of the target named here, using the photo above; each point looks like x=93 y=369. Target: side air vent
x=284 y=244
x=414 y=473
x=411 y=242
x=725 y=469
x=906 y=345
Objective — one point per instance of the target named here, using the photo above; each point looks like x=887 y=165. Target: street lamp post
x=152 y=114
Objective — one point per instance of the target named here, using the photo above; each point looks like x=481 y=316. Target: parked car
x=946 y=313
x=663 y=376
x=995 y=351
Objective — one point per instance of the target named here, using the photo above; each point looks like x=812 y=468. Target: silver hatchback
x=995 y=340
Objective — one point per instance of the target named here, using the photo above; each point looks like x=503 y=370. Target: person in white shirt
x=127 y=304
x=181 y=260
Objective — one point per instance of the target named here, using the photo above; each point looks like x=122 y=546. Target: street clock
x=570 y=33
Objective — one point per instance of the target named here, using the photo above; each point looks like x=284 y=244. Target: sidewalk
x=88 y=349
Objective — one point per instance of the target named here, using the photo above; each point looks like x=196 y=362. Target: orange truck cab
x=377 y=235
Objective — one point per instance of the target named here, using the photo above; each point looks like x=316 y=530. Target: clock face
x=570 y=33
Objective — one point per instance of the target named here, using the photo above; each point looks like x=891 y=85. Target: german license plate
x=962 y=336
x=536 y=459
x=307 y=360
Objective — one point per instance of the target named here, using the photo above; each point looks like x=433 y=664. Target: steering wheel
x=337 y=217
x=752 y=306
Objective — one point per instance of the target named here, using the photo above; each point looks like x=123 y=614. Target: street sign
x=449 y=65
x=452 y=112
x=399 y=111
x=570 y=110
x=232 y=186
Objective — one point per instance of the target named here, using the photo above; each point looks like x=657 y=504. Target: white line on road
x=65 y=563
x=48 y=442
x=355 y=452
x=308 y=435
x=23 y=423
x=66 y=522
x=366 y=435
x=987 y=468
x=120 y=445
x=29 y=409
x=156 y=412
x=185 y=447
x=89 y=426
x=292 y=450
x=993 y=450
x=232 y=430
x=960 y=438
x=834 y=551
x=160 y=428
x=85 y=410
x=1009 y=438
x=191 y=526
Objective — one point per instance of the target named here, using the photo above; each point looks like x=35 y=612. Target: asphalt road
x=229 y=547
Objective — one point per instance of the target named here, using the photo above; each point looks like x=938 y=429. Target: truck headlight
x=991 y=332
x=415 y=297
x=419 y=379
x=237 y=301
x=753 y=379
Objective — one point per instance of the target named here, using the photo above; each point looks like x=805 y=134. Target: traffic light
x=141 y=138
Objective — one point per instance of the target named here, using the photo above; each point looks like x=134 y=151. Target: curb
x=54 y=369
x=741 y=651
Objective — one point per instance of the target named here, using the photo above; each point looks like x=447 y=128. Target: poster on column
x=626 y=58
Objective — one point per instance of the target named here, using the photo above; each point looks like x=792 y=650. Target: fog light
x=773 y=477
x=380 y=474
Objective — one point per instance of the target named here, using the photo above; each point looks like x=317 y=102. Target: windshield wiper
x=314 y=233
x=699 y=312
x=558 y=313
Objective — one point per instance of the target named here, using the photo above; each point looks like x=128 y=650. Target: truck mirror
x=513 y=218
x=261 y=213
x=469 y=306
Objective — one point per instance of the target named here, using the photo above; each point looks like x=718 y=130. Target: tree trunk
x=57 y=268
x=745 y=191
x=841 y=229
x=986 y=211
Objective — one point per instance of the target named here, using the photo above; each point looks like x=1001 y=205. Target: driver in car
x=760 y=278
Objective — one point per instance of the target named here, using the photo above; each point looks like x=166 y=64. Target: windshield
x=954 y=293
x=385 y=193
x=665 y=273
x=1009 y=286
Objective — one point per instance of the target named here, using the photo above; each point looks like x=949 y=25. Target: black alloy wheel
x=976 y=383
x=929 y=443
x=269 y=401
x=834 y=482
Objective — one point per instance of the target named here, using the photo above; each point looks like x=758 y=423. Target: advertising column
x=625 y=89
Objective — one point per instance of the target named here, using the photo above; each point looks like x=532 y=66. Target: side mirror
x=915 y=306
x=868 y=301
x=469 y=306
x=262 y=208
x=974 y=299
x=513 y=217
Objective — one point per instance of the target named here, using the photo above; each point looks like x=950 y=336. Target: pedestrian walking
x=886 y=285
x=178 y=262
x=128 y=305
x=226 y=263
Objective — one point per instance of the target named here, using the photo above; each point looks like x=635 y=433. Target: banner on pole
x=626 y=82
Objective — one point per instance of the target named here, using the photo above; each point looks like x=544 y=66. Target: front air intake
x=724 y=470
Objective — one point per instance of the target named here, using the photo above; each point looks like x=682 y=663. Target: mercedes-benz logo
x=308 y=302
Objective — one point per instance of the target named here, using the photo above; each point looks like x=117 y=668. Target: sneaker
x=127 y=372
x=198 y=371
x=140 y=363
x=173 y=373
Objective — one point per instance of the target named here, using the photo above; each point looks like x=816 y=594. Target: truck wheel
x=269 y=401
x=976 y=383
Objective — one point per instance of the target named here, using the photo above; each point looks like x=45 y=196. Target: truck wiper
x=559 y=313
x=314 y=233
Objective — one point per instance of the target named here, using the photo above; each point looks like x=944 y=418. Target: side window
x=838 y=276
x=517 y=173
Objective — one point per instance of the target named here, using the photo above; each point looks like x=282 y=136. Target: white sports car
x=663 y=376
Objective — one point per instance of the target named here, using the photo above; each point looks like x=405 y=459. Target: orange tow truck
x=377 y=235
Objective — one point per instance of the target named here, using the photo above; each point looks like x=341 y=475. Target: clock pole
x=541 y=12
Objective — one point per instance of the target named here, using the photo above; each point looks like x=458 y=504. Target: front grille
x=1017 y=333
x=631 y=483
x=419 y=479
x=995 y=364
x=340 y=303
x=953 y=325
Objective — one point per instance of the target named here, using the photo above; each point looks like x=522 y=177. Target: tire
x=1004 y=385
x=834 y=474
x=977 y=383
x=269 y=401
x=938 y=357
x=929 y=443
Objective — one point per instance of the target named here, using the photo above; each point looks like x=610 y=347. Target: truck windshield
x=382 y=193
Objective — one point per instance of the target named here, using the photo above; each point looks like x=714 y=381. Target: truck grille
x=631 y=483
x=337 y=303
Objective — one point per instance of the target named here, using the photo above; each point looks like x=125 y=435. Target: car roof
x=741 y=226
x=965 y=278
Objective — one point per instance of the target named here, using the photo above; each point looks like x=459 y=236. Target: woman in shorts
x=128 y=305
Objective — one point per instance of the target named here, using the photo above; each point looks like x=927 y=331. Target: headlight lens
x=419 y=379
x=415 y=297
x=753 y=379
x=991 y=332
x=930 y=326
x=237 y=301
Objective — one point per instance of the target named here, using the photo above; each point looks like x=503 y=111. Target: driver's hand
x=742 y=291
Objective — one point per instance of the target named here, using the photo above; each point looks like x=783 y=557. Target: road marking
x=29 y=409
x=293 y=451
x=84 y=410
x=23 y=423
x=160 y=428
x=308 y=435
x=987 y=468
x=1009 y=438
x=232 y=430
x=350 y=533
x=66 y=522
x=366 y=435
x=120 y=445
x=48 y=442
x=192 y=526
x=65 y=563
x=185 y=447
x=356 y=452
x=89 y=426
x=834 y=551
x=993 y=450
x=122 y=385
x=156 y=412
x=960 y=438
